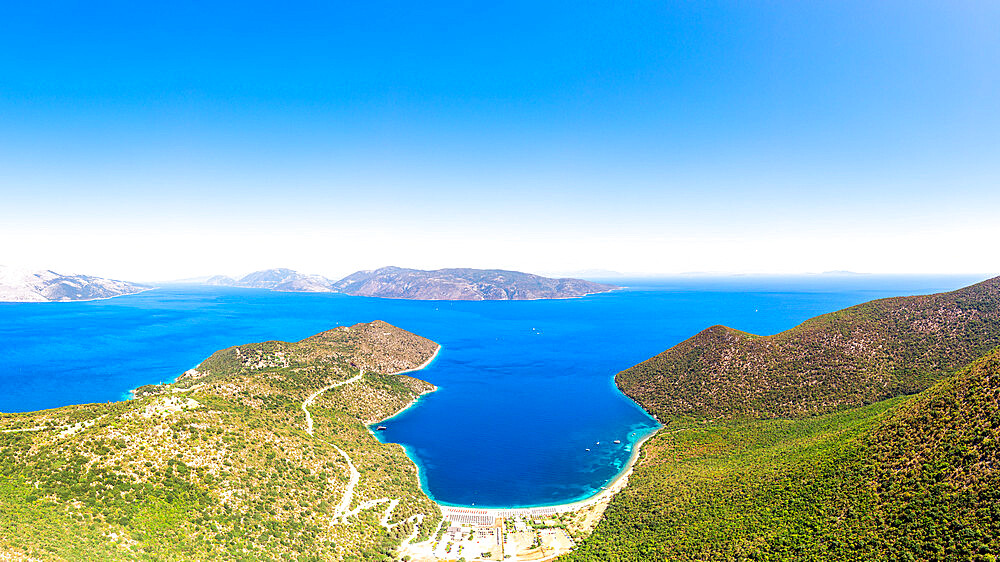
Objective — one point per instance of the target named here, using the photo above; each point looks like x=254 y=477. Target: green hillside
x=749 y=467
x=903 y=479
x=220 y=464
x=855 y=356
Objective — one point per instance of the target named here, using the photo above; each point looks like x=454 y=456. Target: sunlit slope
x=852 y=357
x=903 y=479
x=798 y=446
x=220 y=466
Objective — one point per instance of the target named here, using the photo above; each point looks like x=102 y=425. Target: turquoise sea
x=525 y=387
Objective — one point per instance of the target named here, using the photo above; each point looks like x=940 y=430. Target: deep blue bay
x=525 y=387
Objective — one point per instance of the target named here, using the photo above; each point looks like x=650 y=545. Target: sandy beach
x=422 y=365
x=486 y=518
x=475 y=517
x=605 y=494
x=610 y=490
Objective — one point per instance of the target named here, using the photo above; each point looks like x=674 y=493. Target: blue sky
x=644 y=137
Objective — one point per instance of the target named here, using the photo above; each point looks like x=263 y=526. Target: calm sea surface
x=525 y=387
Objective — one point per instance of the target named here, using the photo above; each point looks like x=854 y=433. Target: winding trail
x=343 y=511
x=312 y=398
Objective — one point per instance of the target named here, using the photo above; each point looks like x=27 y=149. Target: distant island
x=464 y=284
x=388 y=282
x=18 y=285
x=441 y=284
x=279 y=279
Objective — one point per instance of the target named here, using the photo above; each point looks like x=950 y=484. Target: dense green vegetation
x=903 y=479
x=743 y=491
x=219 y=465
x=750 y=472
x=937 y=468
x=849 y=358
x=806 y=445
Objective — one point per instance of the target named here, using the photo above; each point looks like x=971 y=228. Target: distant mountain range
x=440 y=284
x=276 y=280
x=18 y=285
x=463 y=284
x=387 y=282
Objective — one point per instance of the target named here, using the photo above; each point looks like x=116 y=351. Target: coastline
x=420 y=472
x=406 y=407
x=612 y=488
x=423 y=365
x=143 y=290
x=130 y=394
x=605 y=494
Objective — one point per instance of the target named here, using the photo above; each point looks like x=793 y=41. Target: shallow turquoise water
x=525 y=387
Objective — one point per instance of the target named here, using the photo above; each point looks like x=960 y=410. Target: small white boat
x=618 y=442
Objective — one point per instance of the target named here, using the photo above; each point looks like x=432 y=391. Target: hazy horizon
x=643 y=138
x=626 y=279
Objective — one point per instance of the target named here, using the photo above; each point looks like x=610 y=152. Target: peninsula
x=262 y=451
x=17 y=285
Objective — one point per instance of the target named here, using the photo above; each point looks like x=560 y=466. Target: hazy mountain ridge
x=48 y=286
x=441 y=284
x=278 y=279
x=463 y=284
